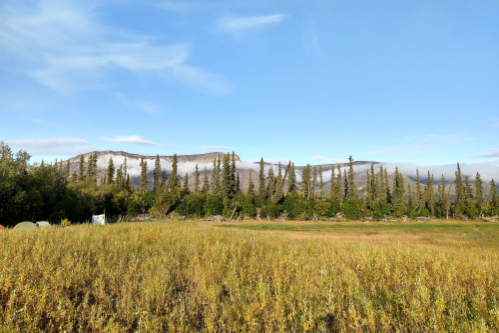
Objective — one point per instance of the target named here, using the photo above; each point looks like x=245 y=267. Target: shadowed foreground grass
x=188 y=276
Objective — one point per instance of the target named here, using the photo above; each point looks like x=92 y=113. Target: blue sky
x=310 y=81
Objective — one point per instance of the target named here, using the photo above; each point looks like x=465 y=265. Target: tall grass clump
x=187 y=277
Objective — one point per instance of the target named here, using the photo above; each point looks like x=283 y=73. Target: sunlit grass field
x=251 y=277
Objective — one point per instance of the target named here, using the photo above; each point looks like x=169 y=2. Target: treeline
x=41 y=191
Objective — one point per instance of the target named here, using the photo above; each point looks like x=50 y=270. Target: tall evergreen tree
x=110 y=172
x=418 y=190
x=332 y=192
x=313 y=185
x=196 y=180
x=345 y=185
x=156 y=174
x=468 y=192
x=352 y=188
x=185 y=187
x=119 y=177
x=339 y=185
x=173 y=183
x=238 y=184
x=374 y=189
x=206 y=184
x=271 y=182
x=74 y=177
x=493 y=198
x=479 y=193
x=233 y=171
x=251 y=186
x=322 y=193
x=387 y=188
x=92 y=168
x=217 y=188
x=143 y=181
x=262 y=191
x=67 y=170
x=227 y=185
x=292 y=179
x=369 y=201
x=398 y=191
x=460 y=195
x=81 y=169
x=429 y=196
x=306 y=180
x=162 y=184
x=213 y=176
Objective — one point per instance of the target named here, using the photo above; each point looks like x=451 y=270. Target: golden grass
x=188 y=276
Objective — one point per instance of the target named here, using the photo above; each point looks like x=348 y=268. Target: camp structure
x=43 y=224
x=25 y=225
x=99 y=219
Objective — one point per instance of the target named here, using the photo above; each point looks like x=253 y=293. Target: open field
x=197 y=276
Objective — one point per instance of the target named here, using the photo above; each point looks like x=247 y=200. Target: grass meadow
x=251 y=277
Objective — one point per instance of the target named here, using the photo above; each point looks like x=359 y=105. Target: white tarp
x=99 y=219
x=43 y=224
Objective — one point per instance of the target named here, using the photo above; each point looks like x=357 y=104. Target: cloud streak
x=52 y=146
x=447 y=139
x=216 y=147
x=239 y=24
x=62 y=45
x=134 y=139
x=489 y=153
x=385 y=150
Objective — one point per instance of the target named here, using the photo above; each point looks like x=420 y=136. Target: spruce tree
x=213 y=176
x=292 y=179
x=110 y=172
x=125 y=173
x=74 y=178
x=91 y=176
x=227 y=185
x=185 y=187
x=429 y=196
x=251 y=186
x=233 y=171
x=128 y=183
x=380 y=179
x=389 y=197
x=173 y=183
x=321 y=184
x=206 y=184
x=352 y=189
x=313 y=185
x=418 y=190
x=493 y=198
x=262 y=192
x=374 y=191
x=271 y=182
x=196 y=180
x=339 y=185
x=368 y=189
x=306 y=179
x=479 y=193
x=119 y=177
x=143 y=182
x=468 y=192
x=81 y=169
x=460 y=195
x=238 y=184
x=163 y=180
x=67 y=170
x=332 y=192
x=279 y=188
x=156 y=174
x=398 y=191
x=218 y=185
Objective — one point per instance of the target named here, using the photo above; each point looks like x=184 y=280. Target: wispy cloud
x=385 y=150
x=141 y=104
x=238 y=24
x=447 y=139
x=135 y=139
x=489 y=153
x=63 y=46
x=52 y=146
x=216 y=147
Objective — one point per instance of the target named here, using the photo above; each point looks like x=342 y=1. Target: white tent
x=25 y=225
x=99 y=219
x=43 y=224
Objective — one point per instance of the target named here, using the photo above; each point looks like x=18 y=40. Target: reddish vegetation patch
x=2 y=228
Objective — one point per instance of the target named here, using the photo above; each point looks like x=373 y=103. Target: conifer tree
x=493 y=198
x=185 y=187
x=313 y=185
x=251 y=186
x=306 y=179
x=233 y=171
x=479 y=193
x=227 y=185
x=345 y=185
x=156 y=174
x=125 y=172
x=92 y=168
x=332 y=192
x=163 y=180
x=339 y=185
x=238 y=184
x=279 y=188
x=261 y=180
x=418 y=190
x=352 y=189
x=206 y=184
x=292 y=179
x=429 y=196
x=398 y=191
x=321 y=184
x=143 y=181
x=411 y=196
x=369 y=201
x=380 y=179
x=387 y=188
x=271 y=182
x=218 y=186
x=460 y=195
x=81 y=169
x=67 y=170
x=110 y=172
x=468 y=192
x=74 y=178
x=119 y=177
x=213 y=176
x=444 y=197
x=128 y=183
x=173 y=183
x=196 y=180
